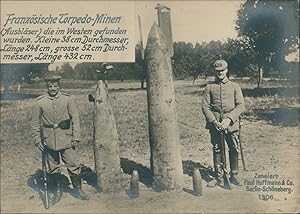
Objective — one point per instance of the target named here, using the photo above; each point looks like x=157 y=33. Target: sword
x=222 y=148
x=223 y=161
x=46 y=204
x=241 y=147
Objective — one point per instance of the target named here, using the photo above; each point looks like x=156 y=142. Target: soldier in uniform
x=56 y=131
x=223 y=97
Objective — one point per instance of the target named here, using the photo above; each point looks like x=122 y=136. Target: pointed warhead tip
x=101 y=85
x=155 y=30
x=135 y=173
x=196 y=170
x=155 y=36
x=134 y=185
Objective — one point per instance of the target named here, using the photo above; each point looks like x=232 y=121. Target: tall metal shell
x=165 y=158
x=106 y=146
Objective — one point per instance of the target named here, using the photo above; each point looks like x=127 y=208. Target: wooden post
x=106 y=146
x=165 y=158
x=259 y=75
x=164 y=23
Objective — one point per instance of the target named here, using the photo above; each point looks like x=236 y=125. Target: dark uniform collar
x=224 y=81
x=56 y=96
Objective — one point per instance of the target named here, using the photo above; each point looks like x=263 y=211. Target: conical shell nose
x=156 y=37
x=134 y=185
x=197 y=183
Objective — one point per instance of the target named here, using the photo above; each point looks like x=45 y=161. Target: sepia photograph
x=150 y=106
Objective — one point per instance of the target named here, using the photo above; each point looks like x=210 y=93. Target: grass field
x=270 y=135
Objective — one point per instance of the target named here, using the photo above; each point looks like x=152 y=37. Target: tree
x=87 y=70
x=192 y=61
x=270 y=28
x=239 y=55
x=19 y=73
x=183 y=60
x=67 y=71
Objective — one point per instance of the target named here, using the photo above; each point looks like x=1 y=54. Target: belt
x=65 y=124
x=52 y=126
x=218 y=110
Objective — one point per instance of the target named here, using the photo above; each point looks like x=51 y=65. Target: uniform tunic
x=55 y=121
x=226 y=97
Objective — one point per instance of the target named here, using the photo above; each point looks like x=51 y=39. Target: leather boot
x=234 y=179
x=218 y=180
x=233 y=158
x=76 y=182
x=59 y=189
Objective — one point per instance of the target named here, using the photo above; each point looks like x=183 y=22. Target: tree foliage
x=67 y=71
x=189 y=61
x=20 y=73
x=270 y=29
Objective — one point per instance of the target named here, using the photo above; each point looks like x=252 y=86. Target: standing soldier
x=223 y=98
x=56 y=131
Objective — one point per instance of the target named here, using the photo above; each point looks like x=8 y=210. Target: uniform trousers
x=68 y=156
x=232 y=140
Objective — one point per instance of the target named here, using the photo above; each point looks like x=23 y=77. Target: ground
x=270 y=137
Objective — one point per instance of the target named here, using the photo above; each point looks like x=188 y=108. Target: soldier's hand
x=41 y=146
x=74 y=143
x=218 y=125
x=225 y=123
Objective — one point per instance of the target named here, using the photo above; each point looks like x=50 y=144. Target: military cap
x=52 y=77
x=220 y=65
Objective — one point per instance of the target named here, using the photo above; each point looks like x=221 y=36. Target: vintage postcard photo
x=150 y=106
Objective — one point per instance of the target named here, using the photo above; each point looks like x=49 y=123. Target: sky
x=192 y=21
